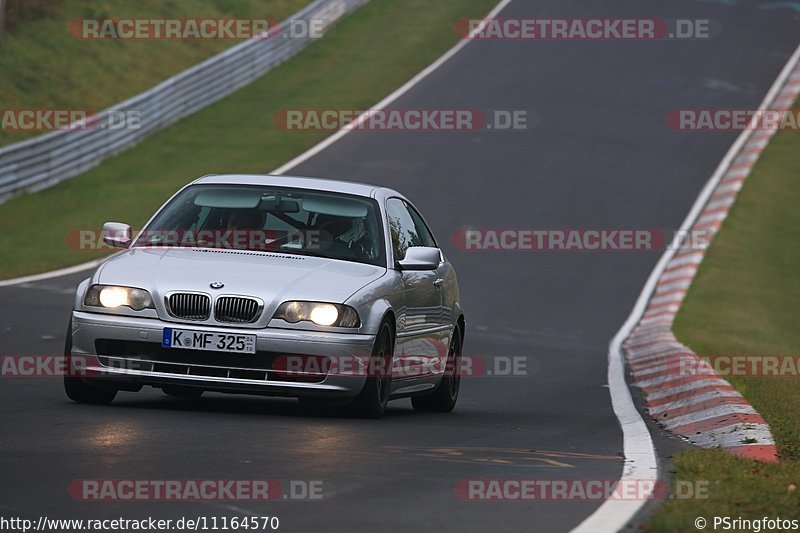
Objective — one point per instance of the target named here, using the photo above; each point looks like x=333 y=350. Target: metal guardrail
x=51 y=158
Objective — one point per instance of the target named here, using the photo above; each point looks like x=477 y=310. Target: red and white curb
x=688 y=398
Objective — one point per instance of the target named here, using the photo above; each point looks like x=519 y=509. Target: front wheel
x=371 y=402
x=78 y=390
x=446 y=396
x=81 y=392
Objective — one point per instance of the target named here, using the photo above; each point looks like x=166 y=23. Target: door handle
x=438 y=283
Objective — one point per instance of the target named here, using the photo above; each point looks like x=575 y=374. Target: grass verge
x=43 y=66
x=744 y=302
x=369 y=54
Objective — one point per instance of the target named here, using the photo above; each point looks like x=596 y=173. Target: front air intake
x=236 y=309
x=189 y=305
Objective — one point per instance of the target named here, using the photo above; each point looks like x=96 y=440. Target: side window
x=425 y=235
x=406 y=228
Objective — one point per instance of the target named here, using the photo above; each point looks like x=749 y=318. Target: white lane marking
x=640 y=457
x=53 y=273
x=47 y=287
x=410 y=84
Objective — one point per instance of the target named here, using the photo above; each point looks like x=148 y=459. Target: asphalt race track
x=598 y=154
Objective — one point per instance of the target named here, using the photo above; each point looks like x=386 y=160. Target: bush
x=19 y=10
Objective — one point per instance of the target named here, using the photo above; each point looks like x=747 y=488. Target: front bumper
x=98 y=338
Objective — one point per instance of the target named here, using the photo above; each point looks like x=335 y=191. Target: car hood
x=274 y=278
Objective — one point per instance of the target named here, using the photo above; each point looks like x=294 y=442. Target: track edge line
x=640 y=457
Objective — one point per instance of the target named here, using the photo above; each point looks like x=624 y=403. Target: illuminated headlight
x=321 y=314
x=111 y=297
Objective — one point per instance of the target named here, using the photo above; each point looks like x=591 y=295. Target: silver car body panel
x=425 y=314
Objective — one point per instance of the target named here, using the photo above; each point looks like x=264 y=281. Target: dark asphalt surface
x=600 y=156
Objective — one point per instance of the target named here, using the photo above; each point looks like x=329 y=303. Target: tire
x=178 y=391
x=371 y=402
x=446 y=395
x=78 y=390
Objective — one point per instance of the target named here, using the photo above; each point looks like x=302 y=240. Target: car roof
x=298 y=182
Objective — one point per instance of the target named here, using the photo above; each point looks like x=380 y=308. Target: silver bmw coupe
x=328 y=291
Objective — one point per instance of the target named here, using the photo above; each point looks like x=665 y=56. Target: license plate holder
x=209 y=341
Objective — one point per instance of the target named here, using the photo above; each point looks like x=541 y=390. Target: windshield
x=291 y=221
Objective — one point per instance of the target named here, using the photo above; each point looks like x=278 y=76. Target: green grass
x=43 y=66
x=744 y=302
x=371 y=52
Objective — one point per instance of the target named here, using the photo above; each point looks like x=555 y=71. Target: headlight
x=111 y=297
x=321 y=314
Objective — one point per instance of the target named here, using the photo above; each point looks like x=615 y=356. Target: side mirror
x=421 y=258
x=117 y=234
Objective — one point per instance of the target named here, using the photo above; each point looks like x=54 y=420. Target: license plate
x=211 y=342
